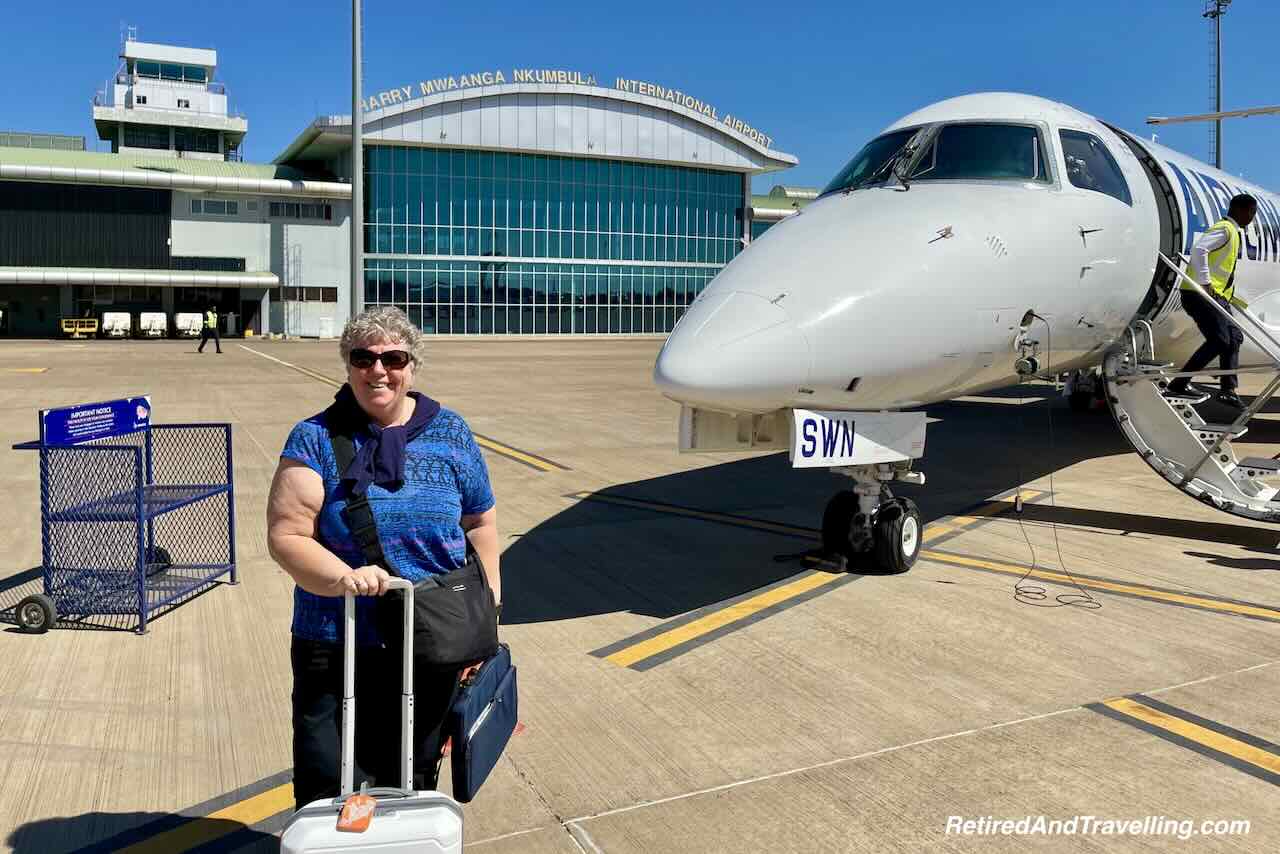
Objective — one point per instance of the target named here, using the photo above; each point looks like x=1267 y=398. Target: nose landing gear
x=870 y=528
x=1084 y=391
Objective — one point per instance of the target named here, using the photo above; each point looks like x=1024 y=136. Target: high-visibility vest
x=210 y=320
x=1222 y=261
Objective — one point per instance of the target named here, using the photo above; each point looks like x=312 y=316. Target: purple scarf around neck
x=380 y=458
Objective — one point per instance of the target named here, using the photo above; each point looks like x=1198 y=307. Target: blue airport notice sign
x=75 y=425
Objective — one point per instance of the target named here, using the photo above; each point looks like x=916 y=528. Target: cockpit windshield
x=869 y=164
x=982 y=151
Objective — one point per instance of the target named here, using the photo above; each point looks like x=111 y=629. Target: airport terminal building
x=171 y=221
x=520 y=201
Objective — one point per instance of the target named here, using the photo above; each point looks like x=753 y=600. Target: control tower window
x=193 y=139
x=1091 y=167
x=983 y=151
x=869 y=165
x=171 y=71
x=146 y=136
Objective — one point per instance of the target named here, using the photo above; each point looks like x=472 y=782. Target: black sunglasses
x=392 y=360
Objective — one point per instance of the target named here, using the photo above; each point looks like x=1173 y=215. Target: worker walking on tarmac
x=210 y=330
x=1213 y=264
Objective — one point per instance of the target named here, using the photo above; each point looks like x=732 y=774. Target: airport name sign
x=404 y=94
x=496 y=77
x=675 y=96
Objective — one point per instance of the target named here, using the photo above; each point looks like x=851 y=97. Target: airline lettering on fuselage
x=836 y=437
x=1206 y=199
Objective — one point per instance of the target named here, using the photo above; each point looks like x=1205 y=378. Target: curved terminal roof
x=548 y=118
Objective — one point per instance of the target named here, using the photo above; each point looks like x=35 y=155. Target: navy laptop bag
x=481 y=723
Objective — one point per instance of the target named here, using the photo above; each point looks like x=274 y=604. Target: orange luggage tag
x=357 y=812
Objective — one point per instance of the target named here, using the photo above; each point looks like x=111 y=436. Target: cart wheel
x=36 y=614
x=160 y=560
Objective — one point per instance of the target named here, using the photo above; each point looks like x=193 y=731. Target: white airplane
x=973 y=243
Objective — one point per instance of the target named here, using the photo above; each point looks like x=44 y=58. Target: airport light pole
x=357 y=168
x=1214 y=10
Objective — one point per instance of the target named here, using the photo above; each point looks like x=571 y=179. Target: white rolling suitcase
x=404 y=820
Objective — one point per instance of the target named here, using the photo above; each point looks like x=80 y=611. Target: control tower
x=165 y=102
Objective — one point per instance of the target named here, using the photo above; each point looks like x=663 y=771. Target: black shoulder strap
x=358 y=514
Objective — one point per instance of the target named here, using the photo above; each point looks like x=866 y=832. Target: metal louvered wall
x=65 y=225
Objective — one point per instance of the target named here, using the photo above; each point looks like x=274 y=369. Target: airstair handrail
x=1177 y=440
x=1271 y=350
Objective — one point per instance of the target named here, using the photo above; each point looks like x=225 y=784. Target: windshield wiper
x=890 y=164
x=903 y=159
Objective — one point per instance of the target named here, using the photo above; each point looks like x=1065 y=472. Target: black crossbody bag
x=455 y=621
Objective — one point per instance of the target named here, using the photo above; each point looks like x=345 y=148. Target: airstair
x=1194 y=455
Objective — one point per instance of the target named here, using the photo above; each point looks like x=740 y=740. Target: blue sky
x=820 y=77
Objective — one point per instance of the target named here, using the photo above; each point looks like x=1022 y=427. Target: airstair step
x=1259 y=464
x=1205 y=431
x=1191 y=398
x=1167 y=430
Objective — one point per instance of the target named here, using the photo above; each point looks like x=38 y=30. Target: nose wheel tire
x=891 y=544
x=36 y=613
x=898 y=535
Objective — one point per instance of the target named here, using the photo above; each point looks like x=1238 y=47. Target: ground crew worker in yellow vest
x=1213 y=264
x=210 y=330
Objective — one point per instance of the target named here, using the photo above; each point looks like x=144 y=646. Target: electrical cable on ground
x=1037 y=595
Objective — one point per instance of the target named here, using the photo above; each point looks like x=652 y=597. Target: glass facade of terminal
x=472 y=241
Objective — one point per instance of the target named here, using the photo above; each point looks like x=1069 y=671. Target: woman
x=428 y=488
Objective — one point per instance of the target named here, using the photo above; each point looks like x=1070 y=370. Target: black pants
x=1222 y=338
x=205 y=334
x=317 y=719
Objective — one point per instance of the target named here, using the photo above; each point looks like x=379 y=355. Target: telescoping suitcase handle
x=349 y=692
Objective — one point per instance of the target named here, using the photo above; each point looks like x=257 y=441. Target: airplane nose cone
x=734 y=351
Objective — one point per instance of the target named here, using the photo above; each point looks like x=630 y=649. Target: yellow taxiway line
x=1240 y=750
x=1141 y=591
x=227 y=820
x=736 y=612
x=685 y=633
x=531 y=460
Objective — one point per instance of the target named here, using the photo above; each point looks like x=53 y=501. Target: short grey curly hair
x=380 y=324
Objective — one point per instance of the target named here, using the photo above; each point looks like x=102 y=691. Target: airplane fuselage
x=912 y=289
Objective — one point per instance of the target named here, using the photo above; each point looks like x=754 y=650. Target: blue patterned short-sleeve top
x=445 y=478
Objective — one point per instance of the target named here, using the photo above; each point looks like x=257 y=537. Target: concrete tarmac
x=687 y=683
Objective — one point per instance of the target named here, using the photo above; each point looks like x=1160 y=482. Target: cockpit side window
x=983 y=151
x=869 y=164
x=1091 y=167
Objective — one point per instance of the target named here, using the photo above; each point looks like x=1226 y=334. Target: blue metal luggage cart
x=134 y=516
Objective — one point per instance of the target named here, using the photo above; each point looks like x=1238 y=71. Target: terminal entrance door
x=250 y=314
